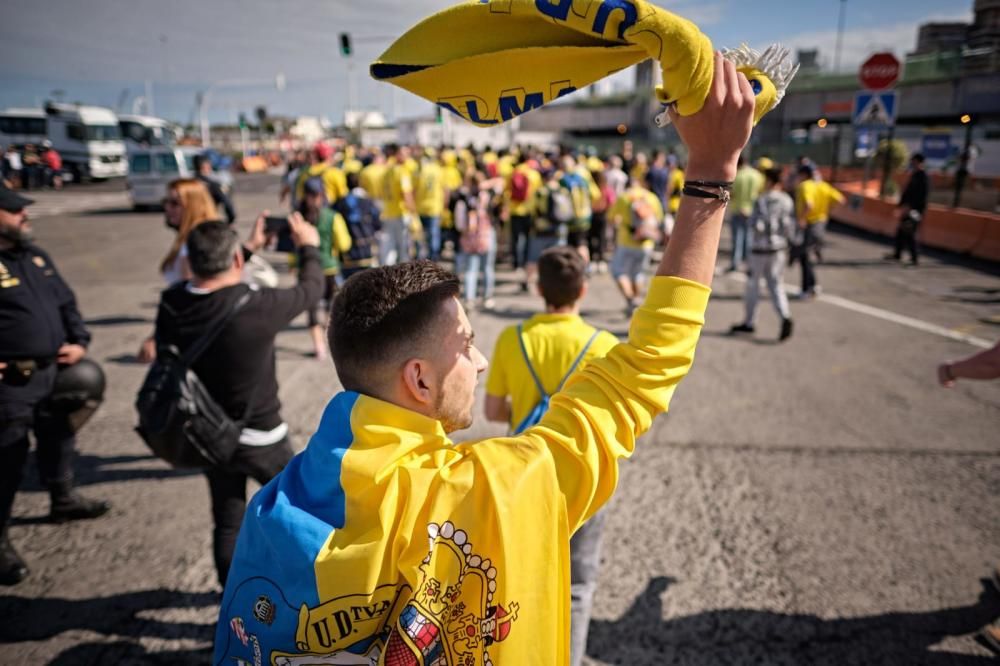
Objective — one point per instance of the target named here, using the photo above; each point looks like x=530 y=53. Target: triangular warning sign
x=874 y=113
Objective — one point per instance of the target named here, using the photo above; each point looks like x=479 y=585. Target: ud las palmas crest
x=450 y=619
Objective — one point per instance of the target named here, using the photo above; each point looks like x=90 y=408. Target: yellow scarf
x=489 y=61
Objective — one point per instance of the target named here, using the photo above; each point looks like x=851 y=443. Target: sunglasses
x=171 y=201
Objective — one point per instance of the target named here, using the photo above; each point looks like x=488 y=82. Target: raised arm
x=604 y=408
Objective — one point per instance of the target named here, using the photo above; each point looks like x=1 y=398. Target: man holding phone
x=238 y=368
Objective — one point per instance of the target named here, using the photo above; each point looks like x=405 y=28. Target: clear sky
x=103 y=51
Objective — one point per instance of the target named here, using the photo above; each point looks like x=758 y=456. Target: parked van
x=140 y=132
x=88 y=139
x=150 y=170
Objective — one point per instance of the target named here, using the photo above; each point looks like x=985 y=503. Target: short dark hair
x=773 y=175
x=382 y=315
x=210 y=247
x=352 y=180
x=198 y=160
x=918 y=158
x=806 y=170
x=561 y=275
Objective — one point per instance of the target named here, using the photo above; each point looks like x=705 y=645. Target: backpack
x=520 y=184
x=561 y=206
x=579 y=191
x=362 y=220
x=475 y=239
x=538 y=411
x=768 y=232
x=178 y=419
x=644 y=225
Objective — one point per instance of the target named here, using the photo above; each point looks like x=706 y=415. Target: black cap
x=11 y=200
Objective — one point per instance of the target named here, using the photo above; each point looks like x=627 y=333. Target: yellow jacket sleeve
x=606 y=406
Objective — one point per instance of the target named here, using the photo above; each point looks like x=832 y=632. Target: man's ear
x=238 y=261
x=583 y=291
x=418 y=381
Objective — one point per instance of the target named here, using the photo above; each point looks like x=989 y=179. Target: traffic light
x=345 y=45
x=243 y=120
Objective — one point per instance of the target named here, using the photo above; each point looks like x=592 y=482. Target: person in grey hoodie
x=772 y=223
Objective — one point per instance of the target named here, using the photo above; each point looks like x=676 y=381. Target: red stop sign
x=879 y=72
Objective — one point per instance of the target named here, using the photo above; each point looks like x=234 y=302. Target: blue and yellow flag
x=489 y=61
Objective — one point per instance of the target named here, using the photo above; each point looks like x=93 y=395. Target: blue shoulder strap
x=578 y=361
x=531 y=369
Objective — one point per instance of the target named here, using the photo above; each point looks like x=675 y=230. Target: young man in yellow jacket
x=385 y=543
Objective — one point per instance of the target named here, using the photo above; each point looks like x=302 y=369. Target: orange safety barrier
x=957 y=230
x=254 y=164
x=952 y=230
x=988 y=246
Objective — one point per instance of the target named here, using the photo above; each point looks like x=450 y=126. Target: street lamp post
x=204 y=99
x=962 y=174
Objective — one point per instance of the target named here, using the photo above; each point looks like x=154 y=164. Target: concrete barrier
x=954 y=229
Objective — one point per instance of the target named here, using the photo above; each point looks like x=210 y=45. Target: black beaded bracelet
x=721 y=184
x=721 y=195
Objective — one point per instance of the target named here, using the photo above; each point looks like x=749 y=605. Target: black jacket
x=240 y=362
x=917 y=191
x=38 y=312
x=219 y=197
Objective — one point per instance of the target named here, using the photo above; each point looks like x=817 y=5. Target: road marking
x=903 y=320
x=886 y=315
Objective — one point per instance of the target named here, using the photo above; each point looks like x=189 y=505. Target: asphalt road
x=816 y=502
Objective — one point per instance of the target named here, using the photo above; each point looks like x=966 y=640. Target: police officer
x=42 y=335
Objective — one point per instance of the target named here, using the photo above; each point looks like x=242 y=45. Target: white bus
x=147 y=132
x=22 y=126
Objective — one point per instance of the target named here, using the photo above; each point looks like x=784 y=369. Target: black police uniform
x=38 y=314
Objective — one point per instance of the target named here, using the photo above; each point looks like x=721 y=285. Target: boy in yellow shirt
x=813 y=201
x=384 y=542
x=532 y=361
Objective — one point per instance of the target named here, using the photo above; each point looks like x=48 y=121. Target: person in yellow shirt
x=747 y=187
x=519 y=194
x=400 y=208
x=813 y=201
x=453 y=179
x=322 y=166
x=385 y=542
x=373 y=175
x=636 y=215
x=533 y=361
x=351 y=163
x=431 y=197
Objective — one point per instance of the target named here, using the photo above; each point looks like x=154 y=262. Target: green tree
x=892 y=156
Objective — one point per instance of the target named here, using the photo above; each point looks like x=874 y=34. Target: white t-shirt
x=175 y=273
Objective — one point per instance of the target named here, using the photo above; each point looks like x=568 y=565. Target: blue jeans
x=471 y=264
x=431 y=247
x=740 y=226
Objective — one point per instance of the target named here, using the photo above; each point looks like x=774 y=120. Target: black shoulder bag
x=178 y=419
